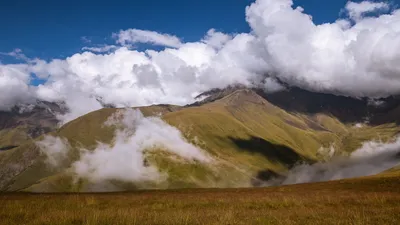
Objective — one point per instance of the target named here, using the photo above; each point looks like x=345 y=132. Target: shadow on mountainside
x=345 y=109
x=5 y=148
x=297 y=100
x=273 y=152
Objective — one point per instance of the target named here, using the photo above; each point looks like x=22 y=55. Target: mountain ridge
x=252 y=139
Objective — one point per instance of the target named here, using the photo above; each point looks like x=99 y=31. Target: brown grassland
x=372 y=200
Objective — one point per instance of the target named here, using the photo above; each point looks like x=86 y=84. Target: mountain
x=26 y=122
x=297 y=100
x=251 y=137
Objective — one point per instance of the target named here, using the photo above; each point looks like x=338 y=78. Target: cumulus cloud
x=216 y=39
x=14 y=86
x=132 y=78
x=348 y=57
x=357 y=60
x=133 y=36
x=125 y=160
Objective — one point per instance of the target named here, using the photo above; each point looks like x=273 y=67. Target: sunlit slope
x=395 y=172
x=12 y=137
x=245 y=118
x=249 y=137
x=25 y=165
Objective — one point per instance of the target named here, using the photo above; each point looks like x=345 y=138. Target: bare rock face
x=24 y=122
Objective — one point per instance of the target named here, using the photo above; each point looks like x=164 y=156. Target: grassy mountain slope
x=251 y=139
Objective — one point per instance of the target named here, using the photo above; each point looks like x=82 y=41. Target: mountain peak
x=241 y=96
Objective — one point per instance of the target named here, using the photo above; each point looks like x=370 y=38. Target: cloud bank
x=55 y=149
x=372 y=158
x=125 y=160
x=355 y=56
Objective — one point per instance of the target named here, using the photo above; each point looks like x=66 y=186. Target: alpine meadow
x=292 y=117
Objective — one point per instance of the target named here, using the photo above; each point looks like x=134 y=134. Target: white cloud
x=271 y=85
x=216 y=39
x=132 y=36
x=100 y=49
x=17 y=54
x=356 y=58
x=357 y=10
x=14 y=86
x=372 y=158
x=55 y=149
x=131 y=78
x=124 y=160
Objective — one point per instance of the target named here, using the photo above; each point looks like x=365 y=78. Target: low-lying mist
x=125 y=159
x=372 y=158
x=137 y=137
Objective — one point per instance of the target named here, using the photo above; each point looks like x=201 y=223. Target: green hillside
x=248 y=138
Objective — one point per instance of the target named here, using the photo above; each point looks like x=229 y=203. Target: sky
x=57 y=29
x=137 y=53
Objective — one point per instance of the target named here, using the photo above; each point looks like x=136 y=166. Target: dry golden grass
x=374 y=200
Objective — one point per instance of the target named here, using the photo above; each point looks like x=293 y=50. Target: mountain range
x=232 y=137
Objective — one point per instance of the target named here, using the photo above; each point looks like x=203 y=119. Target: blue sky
x=54 y=29
x=283 y=42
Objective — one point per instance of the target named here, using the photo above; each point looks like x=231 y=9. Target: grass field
x=373 y=200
